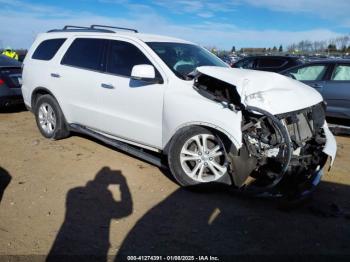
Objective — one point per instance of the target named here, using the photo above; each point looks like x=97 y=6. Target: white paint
x=143 y=71
x=272 y=92
x=151 y=114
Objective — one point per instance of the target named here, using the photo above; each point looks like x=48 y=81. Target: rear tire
x=198 y=156
x=50 y=119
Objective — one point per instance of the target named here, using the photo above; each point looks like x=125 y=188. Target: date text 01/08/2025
x=172 y=258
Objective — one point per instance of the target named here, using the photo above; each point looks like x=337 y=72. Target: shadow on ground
x=209 y=221
x=5 y=180
x=89 y=211
x=218 y=223
x=12 y=109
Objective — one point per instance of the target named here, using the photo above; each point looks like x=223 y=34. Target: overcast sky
x=220 y=23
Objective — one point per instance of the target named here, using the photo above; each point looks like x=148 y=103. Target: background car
x=10 y=81
x=332 y=79
x=268 y=63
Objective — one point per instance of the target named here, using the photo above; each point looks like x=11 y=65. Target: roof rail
x=66 y=27
x=92 y=28
x=73 y=28
x=113 y=27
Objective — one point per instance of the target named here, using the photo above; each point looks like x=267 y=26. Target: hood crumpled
x=269 y=91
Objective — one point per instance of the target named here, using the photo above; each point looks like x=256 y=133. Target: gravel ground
x=77 y=196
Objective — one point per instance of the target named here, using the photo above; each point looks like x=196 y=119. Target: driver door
x=132 y=109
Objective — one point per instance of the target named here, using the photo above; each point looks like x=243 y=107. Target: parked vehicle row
x=209 y=122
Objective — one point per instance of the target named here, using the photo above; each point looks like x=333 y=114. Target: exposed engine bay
x=281 y=153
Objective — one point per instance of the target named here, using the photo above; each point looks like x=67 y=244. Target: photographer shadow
x=5 y=180
x=89 y=211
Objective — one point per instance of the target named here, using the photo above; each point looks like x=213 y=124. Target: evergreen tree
x=332 y=48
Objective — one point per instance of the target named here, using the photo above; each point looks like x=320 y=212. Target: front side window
x=123 y=57
x=47 y=49
x=341 y=73
x=86 y=53
x=309 y=73
x=183 y=59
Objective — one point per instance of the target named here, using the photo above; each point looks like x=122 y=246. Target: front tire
x=198 y=156
x=50 y=119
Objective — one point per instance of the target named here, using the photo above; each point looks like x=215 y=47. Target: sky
x=219 y=23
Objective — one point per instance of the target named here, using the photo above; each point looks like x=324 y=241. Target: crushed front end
x=283 y=150
x=288 y=150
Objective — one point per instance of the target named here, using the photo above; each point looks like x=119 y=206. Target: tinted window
x=271 y=62
x=341 y=73
x=123 y=56
x=308 y=73
x=247 y=63
x=6 y=61
x=86 y=53
x=48 y=48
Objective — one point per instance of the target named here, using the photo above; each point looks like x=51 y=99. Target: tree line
x=335 y=45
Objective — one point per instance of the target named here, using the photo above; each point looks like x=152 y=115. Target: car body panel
x=331 y=144
x=184 y=106
x=266 y=90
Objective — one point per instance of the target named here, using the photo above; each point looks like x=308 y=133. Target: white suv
x=144 y=93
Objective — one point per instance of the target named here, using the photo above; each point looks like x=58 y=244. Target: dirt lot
x=76 y=196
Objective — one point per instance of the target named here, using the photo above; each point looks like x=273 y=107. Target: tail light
x=2 y=82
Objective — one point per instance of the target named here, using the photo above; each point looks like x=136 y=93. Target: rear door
x=78 y=80
x=337 y=91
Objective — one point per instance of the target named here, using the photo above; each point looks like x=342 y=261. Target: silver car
x=332 y=79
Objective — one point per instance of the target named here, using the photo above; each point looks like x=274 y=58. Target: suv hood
x=272 y=92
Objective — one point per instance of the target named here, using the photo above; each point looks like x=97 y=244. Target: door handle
x=108 y=86
x=55 y=75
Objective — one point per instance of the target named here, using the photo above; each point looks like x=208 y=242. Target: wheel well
x=37 y=93
x=219 y=133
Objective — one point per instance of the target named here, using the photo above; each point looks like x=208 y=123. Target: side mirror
x=144 y=73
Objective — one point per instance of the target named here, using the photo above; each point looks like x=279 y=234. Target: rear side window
x=123 y=56
x=341 y=73
x=271 y=62
x=86 y=53
x=48 y=48
x=247 y=63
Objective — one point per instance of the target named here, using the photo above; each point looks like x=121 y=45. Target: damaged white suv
x=161 y=98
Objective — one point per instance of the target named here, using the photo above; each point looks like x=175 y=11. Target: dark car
x=268 y=63
x=332 y=79
x=10 y=81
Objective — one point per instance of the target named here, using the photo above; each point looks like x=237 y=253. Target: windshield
x=183 y=59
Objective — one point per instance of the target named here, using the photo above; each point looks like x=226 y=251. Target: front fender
x=190 y=108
